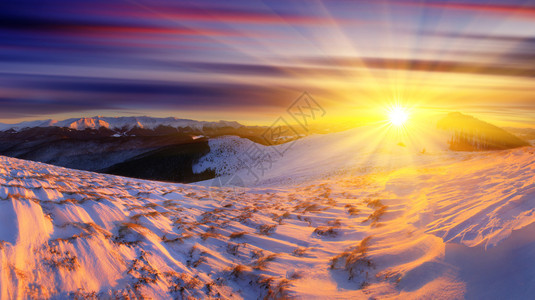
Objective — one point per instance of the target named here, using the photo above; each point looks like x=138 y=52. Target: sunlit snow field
x=417 y=225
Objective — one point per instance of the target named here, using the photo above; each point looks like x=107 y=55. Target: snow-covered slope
x=120 y=123
x=454 y=226
x=356 y=151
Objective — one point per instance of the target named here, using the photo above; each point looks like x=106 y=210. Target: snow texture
x=426 y=225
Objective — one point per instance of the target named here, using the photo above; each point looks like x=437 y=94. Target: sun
x=398 y=116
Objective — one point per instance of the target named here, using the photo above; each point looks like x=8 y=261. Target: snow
x=28 y=124
x=333 y=218
x=87 y=123
x=354 y=151
x=120 y=123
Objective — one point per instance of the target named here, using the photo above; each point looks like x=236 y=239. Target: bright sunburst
x=398 y=116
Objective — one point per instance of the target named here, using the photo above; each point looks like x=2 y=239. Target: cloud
x=64 y=94
x=73 y=55
x=102 y=27
x=444 y=66
x=20 y=107
x=519 y=10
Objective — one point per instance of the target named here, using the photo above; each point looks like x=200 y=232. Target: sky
x=249 y=60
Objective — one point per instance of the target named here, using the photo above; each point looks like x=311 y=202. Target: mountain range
x=120 y=123
x=143 y=147
x=181 y=150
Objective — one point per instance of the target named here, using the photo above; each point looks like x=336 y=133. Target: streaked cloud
x=62 y=56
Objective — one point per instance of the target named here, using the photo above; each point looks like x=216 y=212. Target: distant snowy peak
x=88 y=123
x=118 y=123
x=28 y=124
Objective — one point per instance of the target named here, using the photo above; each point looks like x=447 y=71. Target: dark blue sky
x=247 y=60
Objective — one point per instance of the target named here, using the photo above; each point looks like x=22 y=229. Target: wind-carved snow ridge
x=448 y=227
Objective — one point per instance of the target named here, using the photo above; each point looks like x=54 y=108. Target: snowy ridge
x=354 y=151
x=120 y=123
x=445 y=228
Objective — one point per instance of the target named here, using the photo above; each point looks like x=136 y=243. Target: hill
x=452 y=227
x=471 y=134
